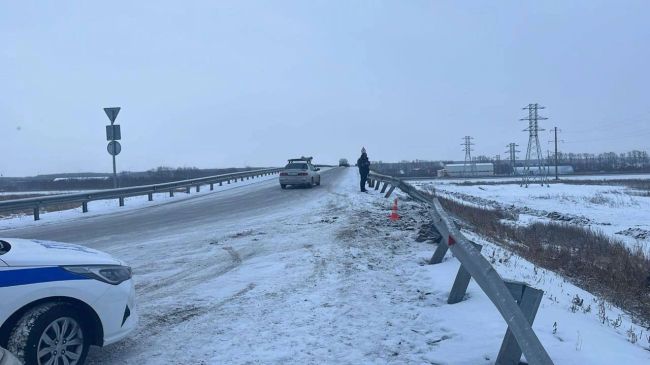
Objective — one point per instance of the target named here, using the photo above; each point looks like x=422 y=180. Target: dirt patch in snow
x=636 y=233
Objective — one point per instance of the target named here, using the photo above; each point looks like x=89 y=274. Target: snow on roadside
x=488 y=180
x=608 y=208
x=100 y=207
x=574 y=325
x=334 y=281
x=39 y=192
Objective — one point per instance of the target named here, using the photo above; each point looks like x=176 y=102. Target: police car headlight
x=111 y=274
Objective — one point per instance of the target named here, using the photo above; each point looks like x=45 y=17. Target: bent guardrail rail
x=516 y=302
x=120 y=193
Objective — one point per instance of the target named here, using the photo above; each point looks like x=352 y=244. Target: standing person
x=364 y=168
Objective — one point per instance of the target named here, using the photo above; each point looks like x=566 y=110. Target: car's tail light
x=303 y=174
x=284 y=174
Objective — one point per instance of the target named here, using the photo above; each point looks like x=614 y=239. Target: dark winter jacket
x=364 y=164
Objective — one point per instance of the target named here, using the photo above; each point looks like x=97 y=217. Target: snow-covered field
x=488 y=180
x=332 y=280
x=612 y=209
x=38 y=192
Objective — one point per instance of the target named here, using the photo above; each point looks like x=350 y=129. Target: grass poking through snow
x=597 y=262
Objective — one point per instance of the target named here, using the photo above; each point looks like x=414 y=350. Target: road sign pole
x=113 y=134
x=114 y=174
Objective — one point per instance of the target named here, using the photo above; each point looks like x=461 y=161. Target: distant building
x=462 y=170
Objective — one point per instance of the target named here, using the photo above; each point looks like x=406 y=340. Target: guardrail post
x=121 y=200
x=37 y=213
x=461 y=283
x=198 y=188
x=390 y=191
x=528 y=299
x=187 y=190
x=84 y=207
x=150 y=197
x=242 y=179
x=440 y=252
x=211 y=187
x=383 y=189
x=171 y=193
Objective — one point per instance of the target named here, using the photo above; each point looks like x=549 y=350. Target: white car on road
x=300 y=172
x=58 y=299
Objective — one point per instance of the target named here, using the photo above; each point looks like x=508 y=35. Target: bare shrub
x=631 y=335
x=595 y=261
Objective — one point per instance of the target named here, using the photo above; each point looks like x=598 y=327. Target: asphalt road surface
x=178 y=216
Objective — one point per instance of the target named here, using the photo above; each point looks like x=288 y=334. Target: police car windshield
x=296 y=166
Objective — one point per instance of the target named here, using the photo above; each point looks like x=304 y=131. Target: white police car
x=57 y=299
x=6 y=358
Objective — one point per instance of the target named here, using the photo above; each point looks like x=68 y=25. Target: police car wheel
x=50 y=333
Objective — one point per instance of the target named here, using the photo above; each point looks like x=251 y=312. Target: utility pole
x=534 y=152
x=512 y=152
x=556 y=175
x=468 y=154
x=556 y=157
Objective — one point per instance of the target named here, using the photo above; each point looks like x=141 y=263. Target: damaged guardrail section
x=37 y=203
x=516 y=302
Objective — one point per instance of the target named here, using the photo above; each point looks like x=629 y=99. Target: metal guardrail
x=39 y=202
x=516 y=302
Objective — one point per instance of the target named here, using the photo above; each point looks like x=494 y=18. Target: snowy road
x=258 y=275
x=177 y=216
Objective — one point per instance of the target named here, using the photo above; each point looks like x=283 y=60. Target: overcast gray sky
x=234 y=83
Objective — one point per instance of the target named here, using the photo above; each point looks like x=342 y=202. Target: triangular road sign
x=112 y=113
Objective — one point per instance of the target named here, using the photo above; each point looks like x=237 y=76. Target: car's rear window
x=296 y=166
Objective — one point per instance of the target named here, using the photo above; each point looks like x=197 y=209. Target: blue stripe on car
x=36 y=275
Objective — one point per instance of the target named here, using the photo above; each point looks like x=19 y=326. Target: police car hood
x=49 y=253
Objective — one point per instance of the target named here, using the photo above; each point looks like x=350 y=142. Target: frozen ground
x=327 y=278
x=38 y=192
x=488 y=180
x=612 y=209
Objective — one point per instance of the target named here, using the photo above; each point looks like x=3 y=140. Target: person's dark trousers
x=362 y=184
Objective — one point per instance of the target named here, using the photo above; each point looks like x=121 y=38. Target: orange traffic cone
x=394 y=216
